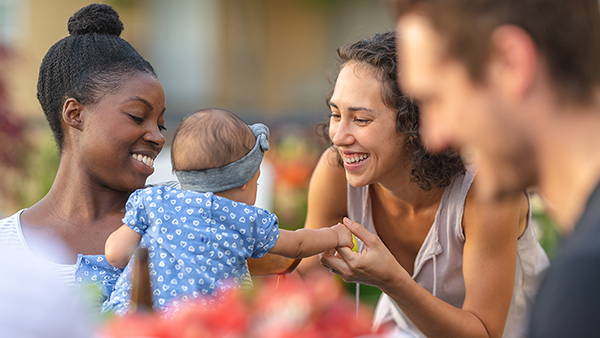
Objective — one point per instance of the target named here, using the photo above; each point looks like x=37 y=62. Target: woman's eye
x=162 y=128
x=361 y=121
x=334 y=116
x=136 y=119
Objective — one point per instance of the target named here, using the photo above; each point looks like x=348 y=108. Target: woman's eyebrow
x=352 y=108
x=137 y=98
x=359 y=109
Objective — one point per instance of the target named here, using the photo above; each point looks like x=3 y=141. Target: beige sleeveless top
x=438 y=266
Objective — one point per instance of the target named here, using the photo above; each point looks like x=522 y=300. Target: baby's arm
x=307 y=242
x=120 y=246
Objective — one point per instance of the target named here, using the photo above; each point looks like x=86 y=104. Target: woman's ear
x=71 y=113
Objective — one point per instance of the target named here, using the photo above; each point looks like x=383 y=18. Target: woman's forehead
x=357 y=86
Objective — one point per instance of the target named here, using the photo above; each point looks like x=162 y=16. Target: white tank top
x=11 y=237
x=438 y=265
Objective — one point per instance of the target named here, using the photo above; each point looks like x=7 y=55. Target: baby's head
x=214 y=150
x=210 y=138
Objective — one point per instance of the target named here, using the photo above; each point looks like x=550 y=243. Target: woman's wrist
x=396 y=283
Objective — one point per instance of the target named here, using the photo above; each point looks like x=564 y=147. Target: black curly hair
x=92 y=61
x=379 y=54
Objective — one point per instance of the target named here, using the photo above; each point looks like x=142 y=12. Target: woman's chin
x=357 y=181
x=134 y=183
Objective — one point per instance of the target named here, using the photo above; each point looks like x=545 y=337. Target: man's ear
x=71 y=113
x=513 y=60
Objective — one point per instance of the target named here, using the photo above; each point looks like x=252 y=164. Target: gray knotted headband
x=234 y=174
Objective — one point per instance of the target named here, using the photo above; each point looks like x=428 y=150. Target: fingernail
x=347 y=221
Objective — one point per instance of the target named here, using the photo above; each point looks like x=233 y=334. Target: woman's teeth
x=149 y=161
x=355 y=159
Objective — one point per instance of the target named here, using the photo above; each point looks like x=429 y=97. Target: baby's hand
x=344 y=235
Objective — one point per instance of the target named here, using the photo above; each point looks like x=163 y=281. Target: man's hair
x=566 y=33
x=92 y=61
x=210 y=138
x=378 y=55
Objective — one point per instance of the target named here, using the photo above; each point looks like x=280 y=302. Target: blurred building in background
x=258 y=58
x=265 y=60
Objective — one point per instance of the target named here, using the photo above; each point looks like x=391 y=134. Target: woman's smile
x=354 y=161
x=354 y=158
x=146 y=163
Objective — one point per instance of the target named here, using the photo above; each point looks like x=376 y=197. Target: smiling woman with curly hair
x=445 y=259
x=427 y=170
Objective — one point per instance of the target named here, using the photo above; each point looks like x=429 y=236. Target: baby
x=199 y=238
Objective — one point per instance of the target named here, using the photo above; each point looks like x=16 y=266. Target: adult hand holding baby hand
x=375 y=265
x=344 y=236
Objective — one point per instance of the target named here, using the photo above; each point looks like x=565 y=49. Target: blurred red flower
x=274 y=309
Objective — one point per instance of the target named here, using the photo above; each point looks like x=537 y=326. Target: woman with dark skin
x=106 y=109
x=449 y=264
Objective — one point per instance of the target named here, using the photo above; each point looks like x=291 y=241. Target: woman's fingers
x=330 y=261
x=340 y=263
x=346 y=254
x=369 y=266
x=360 y=232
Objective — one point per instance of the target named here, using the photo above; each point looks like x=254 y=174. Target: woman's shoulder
x=10 y=230
x=481 y=211
x=327 y=192
x=12 y=219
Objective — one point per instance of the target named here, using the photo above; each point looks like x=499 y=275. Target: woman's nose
x=341 y=134
x=155 y=137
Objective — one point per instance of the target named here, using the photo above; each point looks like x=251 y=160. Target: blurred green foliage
x=40 y=167
x=546 y=232
x=545 y=227
x=26 y=183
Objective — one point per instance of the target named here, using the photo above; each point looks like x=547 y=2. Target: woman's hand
x=375 y=265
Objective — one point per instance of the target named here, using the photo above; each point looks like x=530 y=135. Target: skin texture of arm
x=326 y=199
x=308 y=242
x=491 y=232
x=120 y=246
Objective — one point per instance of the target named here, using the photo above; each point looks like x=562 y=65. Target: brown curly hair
x=379 y=53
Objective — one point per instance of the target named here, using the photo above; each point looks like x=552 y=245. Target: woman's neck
x=80 y=214
x=74 y=197
x=408 y=196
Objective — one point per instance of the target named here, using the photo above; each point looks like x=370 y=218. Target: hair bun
x=95 y=18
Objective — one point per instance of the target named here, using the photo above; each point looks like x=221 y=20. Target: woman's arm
x=327 y=193
x=491 y=231
x=120 y=246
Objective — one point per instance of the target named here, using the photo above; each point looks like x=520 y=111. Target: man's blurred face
x=458 y=112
